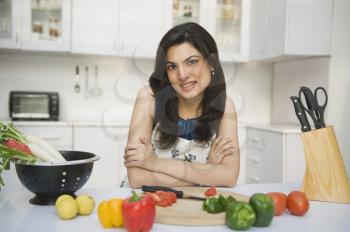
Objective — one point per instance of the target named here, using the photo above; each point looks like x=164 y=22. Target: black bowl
x=49 y=180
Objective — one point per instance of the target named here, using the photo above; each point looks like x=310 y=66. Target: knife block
x=325 y=175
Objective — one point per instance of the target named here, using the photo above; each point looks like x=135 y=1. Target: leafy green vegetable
x=6 y=154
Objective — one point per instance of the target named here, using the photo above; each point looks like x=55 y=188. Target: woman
x=183 y=129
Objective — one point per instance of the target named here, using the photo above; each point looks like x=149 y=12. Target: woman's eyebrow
x=194 y=56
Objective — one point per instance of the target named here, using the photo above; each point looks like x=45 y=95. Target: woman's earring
x=212 y=73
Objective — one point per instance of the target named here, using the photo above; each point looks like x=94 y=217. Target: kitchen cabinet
x=95 y=27
x=229 y=24
x=226 y=20
x=106 y=142
x=290 y=28
x=46 y=25
x=142 y=25
x=188 y=11
x=274 y=154
x=10 y=24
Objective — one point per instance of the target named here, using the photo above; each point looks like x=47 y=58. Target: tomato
x=297 y=203
x=280 y=201
x=155 y=197
x=210 y=191
x=172 y=197
x=165 y=199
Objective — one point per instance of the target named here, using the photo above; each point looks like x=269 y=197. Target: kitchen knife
x=179 y=194
x=299 y=111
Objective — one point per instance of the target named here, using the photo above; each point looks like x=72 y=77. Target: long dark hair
x=213 y=102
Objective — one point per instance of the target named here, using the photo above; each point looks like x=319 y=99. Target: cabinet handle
x=254 y=179
x=254 y=160
x=50 y=137
x=255 y=140
x=122 y=46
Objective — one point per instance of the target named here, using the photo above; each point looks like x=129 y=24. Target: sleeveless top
x=186 y=148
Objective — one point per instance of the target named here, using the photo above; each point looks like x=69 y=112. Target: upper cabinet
x=142 y=25
x=229 y=24
x=95 y=27
x=46 y=25
x=244 y=30
x=10 y=24
x=282 y=29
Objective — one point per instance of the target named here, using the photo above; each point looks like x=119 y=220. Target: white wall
x=249 y=84
x=339 y=88
x=287 y=79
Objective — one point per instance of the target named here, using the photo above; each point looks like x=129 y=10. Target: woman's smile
x=188 y=86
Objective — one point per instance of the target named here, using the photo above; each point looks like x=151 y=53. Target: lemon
x=63 y=196
x=86 y=204
x=67 y=208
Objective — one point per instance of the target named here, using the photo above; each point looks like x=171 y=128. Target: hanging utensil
x=96 y=91
x=86 y=87
x=77 y=86
x=313 y=107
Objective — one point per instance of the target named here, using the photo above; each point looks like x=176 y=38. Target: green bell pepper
x=240 y=216
x=226 y=201
x=263 y=207
x=212 y=205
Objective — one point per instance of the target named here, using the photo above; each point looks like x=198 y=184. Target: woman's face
x=188 y=71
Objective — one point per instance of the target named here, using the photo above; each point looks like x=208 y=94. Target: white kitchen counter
x=16 y=214
x=279 y=128
x=117 y=123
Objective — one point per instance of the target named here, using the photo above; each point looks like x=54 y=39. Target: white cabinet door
x=61 y=137
x=95 y=27
x=294 y=159
x=142 y=25
x=229 y=22
x=122 y=138
x=46 y=25
x=101 y=141
x=290 y=28
x=10 y=24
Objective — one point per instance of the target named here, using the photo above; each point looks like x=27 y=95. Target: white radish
x=45 y=146
x=41 y=153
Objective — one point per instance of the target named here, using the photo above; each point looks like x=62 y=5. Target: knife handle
x=147 y=188
x=299 y=111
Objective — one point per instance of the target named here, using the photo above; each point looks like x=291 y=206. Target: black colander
x=49 y=180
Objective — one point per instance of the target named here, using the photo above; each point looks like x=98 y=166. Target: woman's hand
x=139 y=155
x=221 y=148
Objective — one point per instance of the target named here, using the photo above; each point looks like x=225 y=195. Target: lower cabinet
x=108 y=143
x=274 y=155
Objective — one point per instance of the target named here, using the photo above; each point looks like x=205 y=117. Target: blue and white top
x=186 y=148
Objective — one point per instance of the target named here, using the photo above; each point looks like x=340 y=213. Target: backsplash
x=249 y=85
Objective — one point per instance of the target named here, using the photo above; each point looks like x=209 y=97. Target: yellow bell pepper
x=110 y=213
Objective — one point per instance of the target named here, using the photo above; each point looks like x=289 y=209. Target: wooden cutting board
x=190 y=213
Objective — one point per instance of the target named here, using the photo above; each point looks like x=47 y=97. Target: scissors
x=313 y=107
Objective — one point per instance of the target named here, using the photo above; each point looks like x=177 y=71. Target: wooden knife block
x=325 y=176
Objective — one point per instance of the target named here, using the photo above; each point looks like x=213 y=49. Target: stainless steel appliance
x=25 y=105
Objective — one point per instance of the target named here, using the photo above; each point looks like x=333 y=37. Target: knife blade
x=299 y=111
x=179 y=194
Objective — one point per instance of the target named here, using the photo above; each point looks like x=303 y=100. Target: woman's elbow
x=133 y=179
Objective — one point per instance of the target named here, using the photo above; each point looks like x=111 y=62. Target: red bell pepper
x=139 y=213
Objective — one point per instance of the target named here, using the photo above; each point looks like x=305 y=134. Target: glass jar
x=228 y=10
x=53 y=30
x=37 y=32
